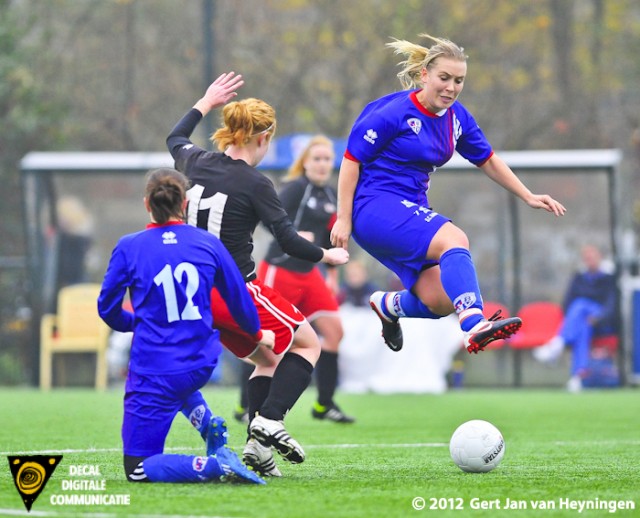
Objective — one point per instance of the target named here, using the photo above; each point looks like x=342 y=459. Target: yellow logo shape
x=31 y=473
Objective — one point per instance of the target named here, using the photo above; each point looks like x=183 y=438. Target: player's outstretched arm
x=496 y=169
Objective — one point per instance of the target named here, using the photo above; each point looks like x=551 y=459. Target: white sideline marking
x=191 y=448
x=630 y=442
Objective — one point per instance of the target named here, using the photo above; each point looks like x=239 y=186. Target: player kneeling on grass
x=170 y=269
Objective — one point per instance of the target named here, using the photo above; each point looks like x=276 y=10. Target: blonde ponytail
x=419 y=57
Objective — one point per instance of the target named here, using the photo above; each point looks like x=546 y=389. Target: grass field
x=562 y=450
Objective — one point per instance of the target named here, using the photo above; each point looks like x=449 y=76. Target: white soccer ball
x=477 y=446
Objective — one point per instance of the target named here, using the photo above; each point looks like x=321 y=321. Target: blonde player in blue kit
x=170 y=269
x=395 y=145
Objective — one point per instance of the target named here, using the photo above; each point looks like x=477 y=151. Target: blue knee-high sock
x=406 y=304
x=181 y=468
x=196 y=410
x=460 y=282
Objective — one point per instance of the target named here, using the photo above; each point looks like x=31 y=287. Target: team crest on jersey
x=415 y=125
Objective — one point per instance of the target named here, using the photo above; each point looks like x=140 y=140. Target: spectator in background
x=75 y=225
x=356 y=287
x=590 y=308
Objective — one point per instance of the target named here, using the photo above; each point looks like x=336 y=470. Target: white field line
x=612 y=442
x=191 y=448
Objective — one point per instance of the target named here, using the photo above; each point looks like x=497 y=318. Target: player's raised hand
x=221 y=91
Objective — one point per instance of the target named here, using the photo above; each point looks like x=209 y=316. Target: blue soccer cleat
x=234 y=469
x=216 y=435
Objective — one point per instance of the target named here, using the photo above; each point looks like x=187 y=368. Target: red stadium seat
x=541 y=321
x=606 y=342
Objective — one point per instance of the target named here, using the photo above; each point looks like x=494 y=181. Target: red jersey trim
x=414 y=99
x=168 y=223
x=485 y=160
x=349 y=156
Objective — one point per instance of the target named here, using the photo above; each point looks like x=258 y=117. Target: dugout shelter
x=521 y=254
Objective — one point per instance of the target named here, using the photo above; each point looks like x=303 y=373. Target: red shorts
x=276 y=314
x=307 y=291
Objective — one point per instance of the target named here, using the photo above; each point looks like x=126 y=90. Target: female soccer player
x=169 y=270
x=394 y=146
x=311 y=204
x=229 y=197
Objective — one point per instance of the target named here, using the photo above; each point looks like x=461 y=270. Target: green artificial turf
x=563 y=451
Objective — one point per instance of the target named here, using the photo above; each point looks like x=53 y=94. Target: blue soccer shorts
x=397 y=233
x=150 y=404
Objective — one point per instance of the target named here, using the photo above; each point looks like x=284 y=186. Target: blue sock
x=408 y=305
x=196 y=410
x=460 y=282
x=181 y=468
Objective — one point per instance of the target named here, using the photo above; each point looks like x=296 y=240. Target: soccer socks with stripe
x=290 y=379
x=460 y=282
x=196 y=410
x=406 y=304
x=327 y=377
x=180 y=468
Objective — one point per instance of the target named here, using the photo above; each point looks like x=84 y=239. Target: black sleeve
x=292 y=244
x=181 y=132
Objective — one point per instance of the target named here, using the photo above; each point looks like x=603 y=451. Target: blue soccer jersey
x=169 y=271
x=399 y=143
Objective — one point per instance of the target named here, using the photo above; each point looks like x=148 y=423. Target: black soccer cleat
x=331 y=413
x=391 y=330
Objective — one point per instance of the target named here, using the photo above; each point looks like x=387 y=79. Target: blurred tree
x=29 y=116
x=130 y=67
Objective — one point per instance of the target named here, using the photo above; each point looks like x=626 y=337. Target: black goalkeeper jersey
x=229 y=198
x=311 y=208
